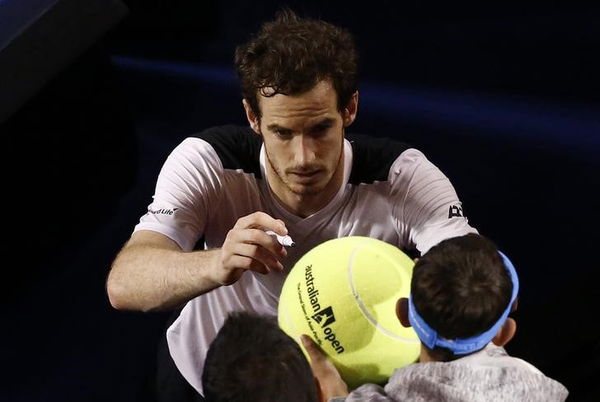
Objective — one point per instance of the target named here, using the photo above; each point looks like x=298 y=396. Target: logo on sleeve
x=455 y=211
x=162 y=211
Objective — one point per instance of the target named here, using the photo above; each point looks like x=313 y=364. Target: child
x=252 y=359
x=462 y=292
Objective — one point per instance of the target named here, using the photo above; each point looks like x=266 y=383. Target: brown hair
x=290 y=55
x=251 y=358
x=460 y=288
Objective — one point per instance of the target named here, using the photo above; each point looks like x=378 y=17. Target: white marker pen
x=283 y=240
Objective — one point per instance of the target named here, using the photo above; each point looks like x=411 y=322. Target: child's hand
x=329 y=379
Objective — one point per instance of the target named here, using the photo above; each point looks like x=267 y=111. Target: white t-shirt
x=390 y=192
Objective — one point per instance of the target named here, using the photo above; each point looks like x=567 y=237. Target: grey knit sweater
x=488 y=375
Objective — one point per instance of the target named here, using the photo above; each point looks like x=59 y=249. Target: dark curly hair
x=290 y=55
x=460 y=287
x=252 y=359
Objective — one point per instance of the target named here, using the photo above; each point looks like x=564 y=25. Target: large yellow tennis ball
x=343 y=294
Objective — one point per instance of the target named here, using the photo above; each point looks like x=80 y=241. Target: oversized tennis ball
x=343 y=294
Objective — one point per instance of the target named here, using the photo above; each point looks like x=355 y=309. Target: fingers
x=247 y=263
x=255 y=243
x=259 y=256
x=238 y=261
x=330 y=382
x=261 y=220
x=248 y=247
x=314 y=351
x=251 y=229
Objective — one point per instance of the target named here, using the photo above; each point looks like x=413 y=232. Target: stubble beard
x=303 y=190
x=296 y=189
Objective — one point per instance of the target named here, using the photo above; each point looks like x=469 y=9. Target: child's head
x=461 y=293
x=253 y=359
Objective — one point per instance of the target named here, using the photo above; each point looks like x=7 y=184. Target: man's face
x=303 y=137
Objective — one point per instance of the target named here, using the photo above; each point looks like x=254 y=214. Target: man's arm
x=151 y=272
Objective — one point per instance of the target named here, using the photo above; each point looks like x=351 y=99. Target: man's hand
x=329 y=379
x=248 y=247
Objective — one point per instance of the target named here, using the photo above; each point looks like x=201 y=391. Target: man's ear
x=349 y=112
x=402 y=311
x=505 y=333
x=252 y=117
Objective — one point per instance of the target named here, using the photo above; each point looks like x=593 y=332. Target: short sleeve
x=187 y=185
x=425 y=204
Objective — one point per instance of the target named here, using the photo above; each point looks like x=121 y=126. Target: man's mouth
x=304 y=175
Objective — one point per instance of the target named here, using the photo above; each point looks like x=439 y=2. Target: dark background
x=503 y=97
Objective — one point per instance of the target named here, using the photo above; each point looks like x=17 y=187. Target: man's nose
x=305 y=150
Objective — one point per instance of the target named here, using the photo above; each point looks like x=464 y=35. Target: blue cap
x=431 y=339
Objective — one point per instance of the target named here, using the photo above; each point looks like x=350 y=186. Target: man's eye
x=283 y=133
x=319 y=131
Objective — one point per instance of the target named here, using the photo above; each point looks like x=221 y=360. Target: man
x=462 y=292
x=294 y=173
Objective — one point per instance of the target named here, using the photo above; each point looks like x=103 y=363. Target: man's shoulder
x=230 y=136
x=373 y=157
x=238 y=147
